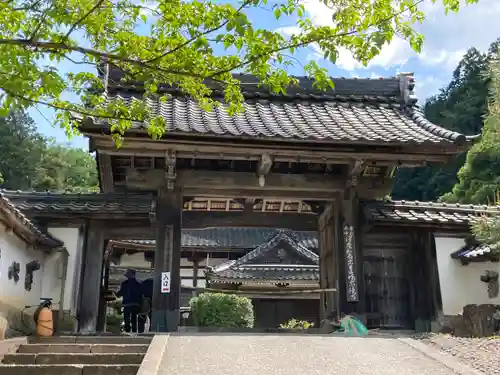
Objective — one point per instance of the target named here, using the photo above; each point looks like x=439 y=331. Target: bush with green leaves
x=296 y=324
x=222 y=310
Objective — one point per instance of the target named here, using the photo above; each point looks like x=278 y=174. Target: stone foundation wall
x=14 y=322
x=475 y=321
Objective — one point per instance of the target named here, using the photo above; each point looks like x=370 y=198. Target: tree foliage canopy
x=28 y=161
x=460 y=106
x=479 y=178
x=183 y=43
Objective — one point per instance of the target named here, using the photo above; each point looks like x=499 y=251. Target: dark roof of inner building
x=233 y=238
x=366 y=111
x=246 y=267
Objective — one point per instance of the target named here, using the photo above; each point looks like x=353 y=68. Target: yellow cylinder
x=45 y=323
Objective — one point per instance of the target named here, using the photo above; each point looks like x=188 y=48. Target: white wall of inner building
x=73 y=238
x=460 y=284
x=14 y=298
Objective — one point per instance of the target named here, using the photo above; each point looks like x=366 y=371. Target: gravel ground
x=482 y=354
x=294 y=354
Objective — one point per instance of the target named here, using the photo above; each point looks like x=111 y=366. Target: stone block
x=118 y=348
x=110 y=370
x=89 y=359
x=123 y=340
x=52 y=340
x=19 y=359
x=41 y=370
x=478 y=320
x=54 y=348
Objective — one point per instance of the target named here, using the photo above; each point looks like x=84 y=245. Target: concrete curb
x=445 y=359
x=152 y=360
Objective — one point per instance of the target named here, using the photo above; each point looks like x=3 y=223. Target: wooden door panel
x=386 y=283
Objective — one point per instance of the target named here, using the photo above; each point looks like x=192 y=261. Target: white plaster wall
x=52 y=277
x=73 y=241
x=461 y=285
x=13 y=295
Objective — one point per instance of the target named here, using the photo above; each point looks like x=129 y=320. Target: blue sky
x=446 y=40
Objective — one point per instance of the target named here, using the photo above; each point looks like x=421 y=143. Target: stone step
x=122 y=340
x=69 y=369
x=73 y=359
x=83 y=348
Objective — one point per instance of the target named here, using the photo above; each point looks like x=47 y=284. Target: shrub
x=296 y=324
x=221 y=310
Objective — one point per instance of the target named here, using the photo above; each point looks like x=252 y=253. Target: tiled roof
x=84 y=203
x=426 y=212
x=376 y=111
x=25 y=227
x=261 y=263
x=473 y=252
x=333 y=121
x=115 y=203
x=233 y=238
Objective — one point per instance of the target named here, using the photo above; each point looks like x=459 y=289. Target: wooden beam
x=317 y=153
x=240 y=184
x=135 y=229
x=293 y=221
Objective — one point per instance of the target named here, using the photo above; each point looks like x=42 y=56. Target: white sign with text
x=165 y=282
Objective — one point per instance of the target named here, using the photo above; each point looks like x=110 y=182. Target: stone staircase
x=81 y=355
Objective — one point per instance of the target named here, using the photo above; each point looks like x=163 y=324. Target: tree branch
x=78 y=111
x=310 y=41
x=206 y=32
x=43 y=18
x=83 y=18
x=53 y=47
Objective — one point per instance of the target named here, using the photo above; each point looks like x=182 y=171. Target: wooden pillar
x=168 y=217
x=327 y=222
x=92 y=277
x=352 y=257
x=101 y=318
x=196 y=263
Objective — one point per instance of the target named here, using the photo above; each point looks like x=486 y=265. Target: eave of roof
x=23 y=227
x=476 y=253
x=426 y=212
x=356 y=111
x=383 y=211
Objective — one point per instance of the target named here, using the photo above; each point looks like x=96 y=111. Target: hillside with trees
x=30 y=161
x=460 y=106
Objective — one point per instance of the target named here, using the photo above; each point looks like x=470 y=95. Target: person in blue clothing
x=147 y=292
x=131 y=292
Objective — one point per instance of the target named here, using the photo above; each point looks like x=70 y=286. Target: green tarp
x=351 y=326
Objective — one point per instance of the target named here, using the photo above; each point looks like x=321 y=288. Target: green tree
x=30 y=161
x=181 y=47
x=460 y=106
x=479 y=178
x=66 y=169
x=21 y=148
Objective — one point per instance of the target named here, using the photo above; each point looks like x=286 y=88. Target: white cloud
x=447 y=37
